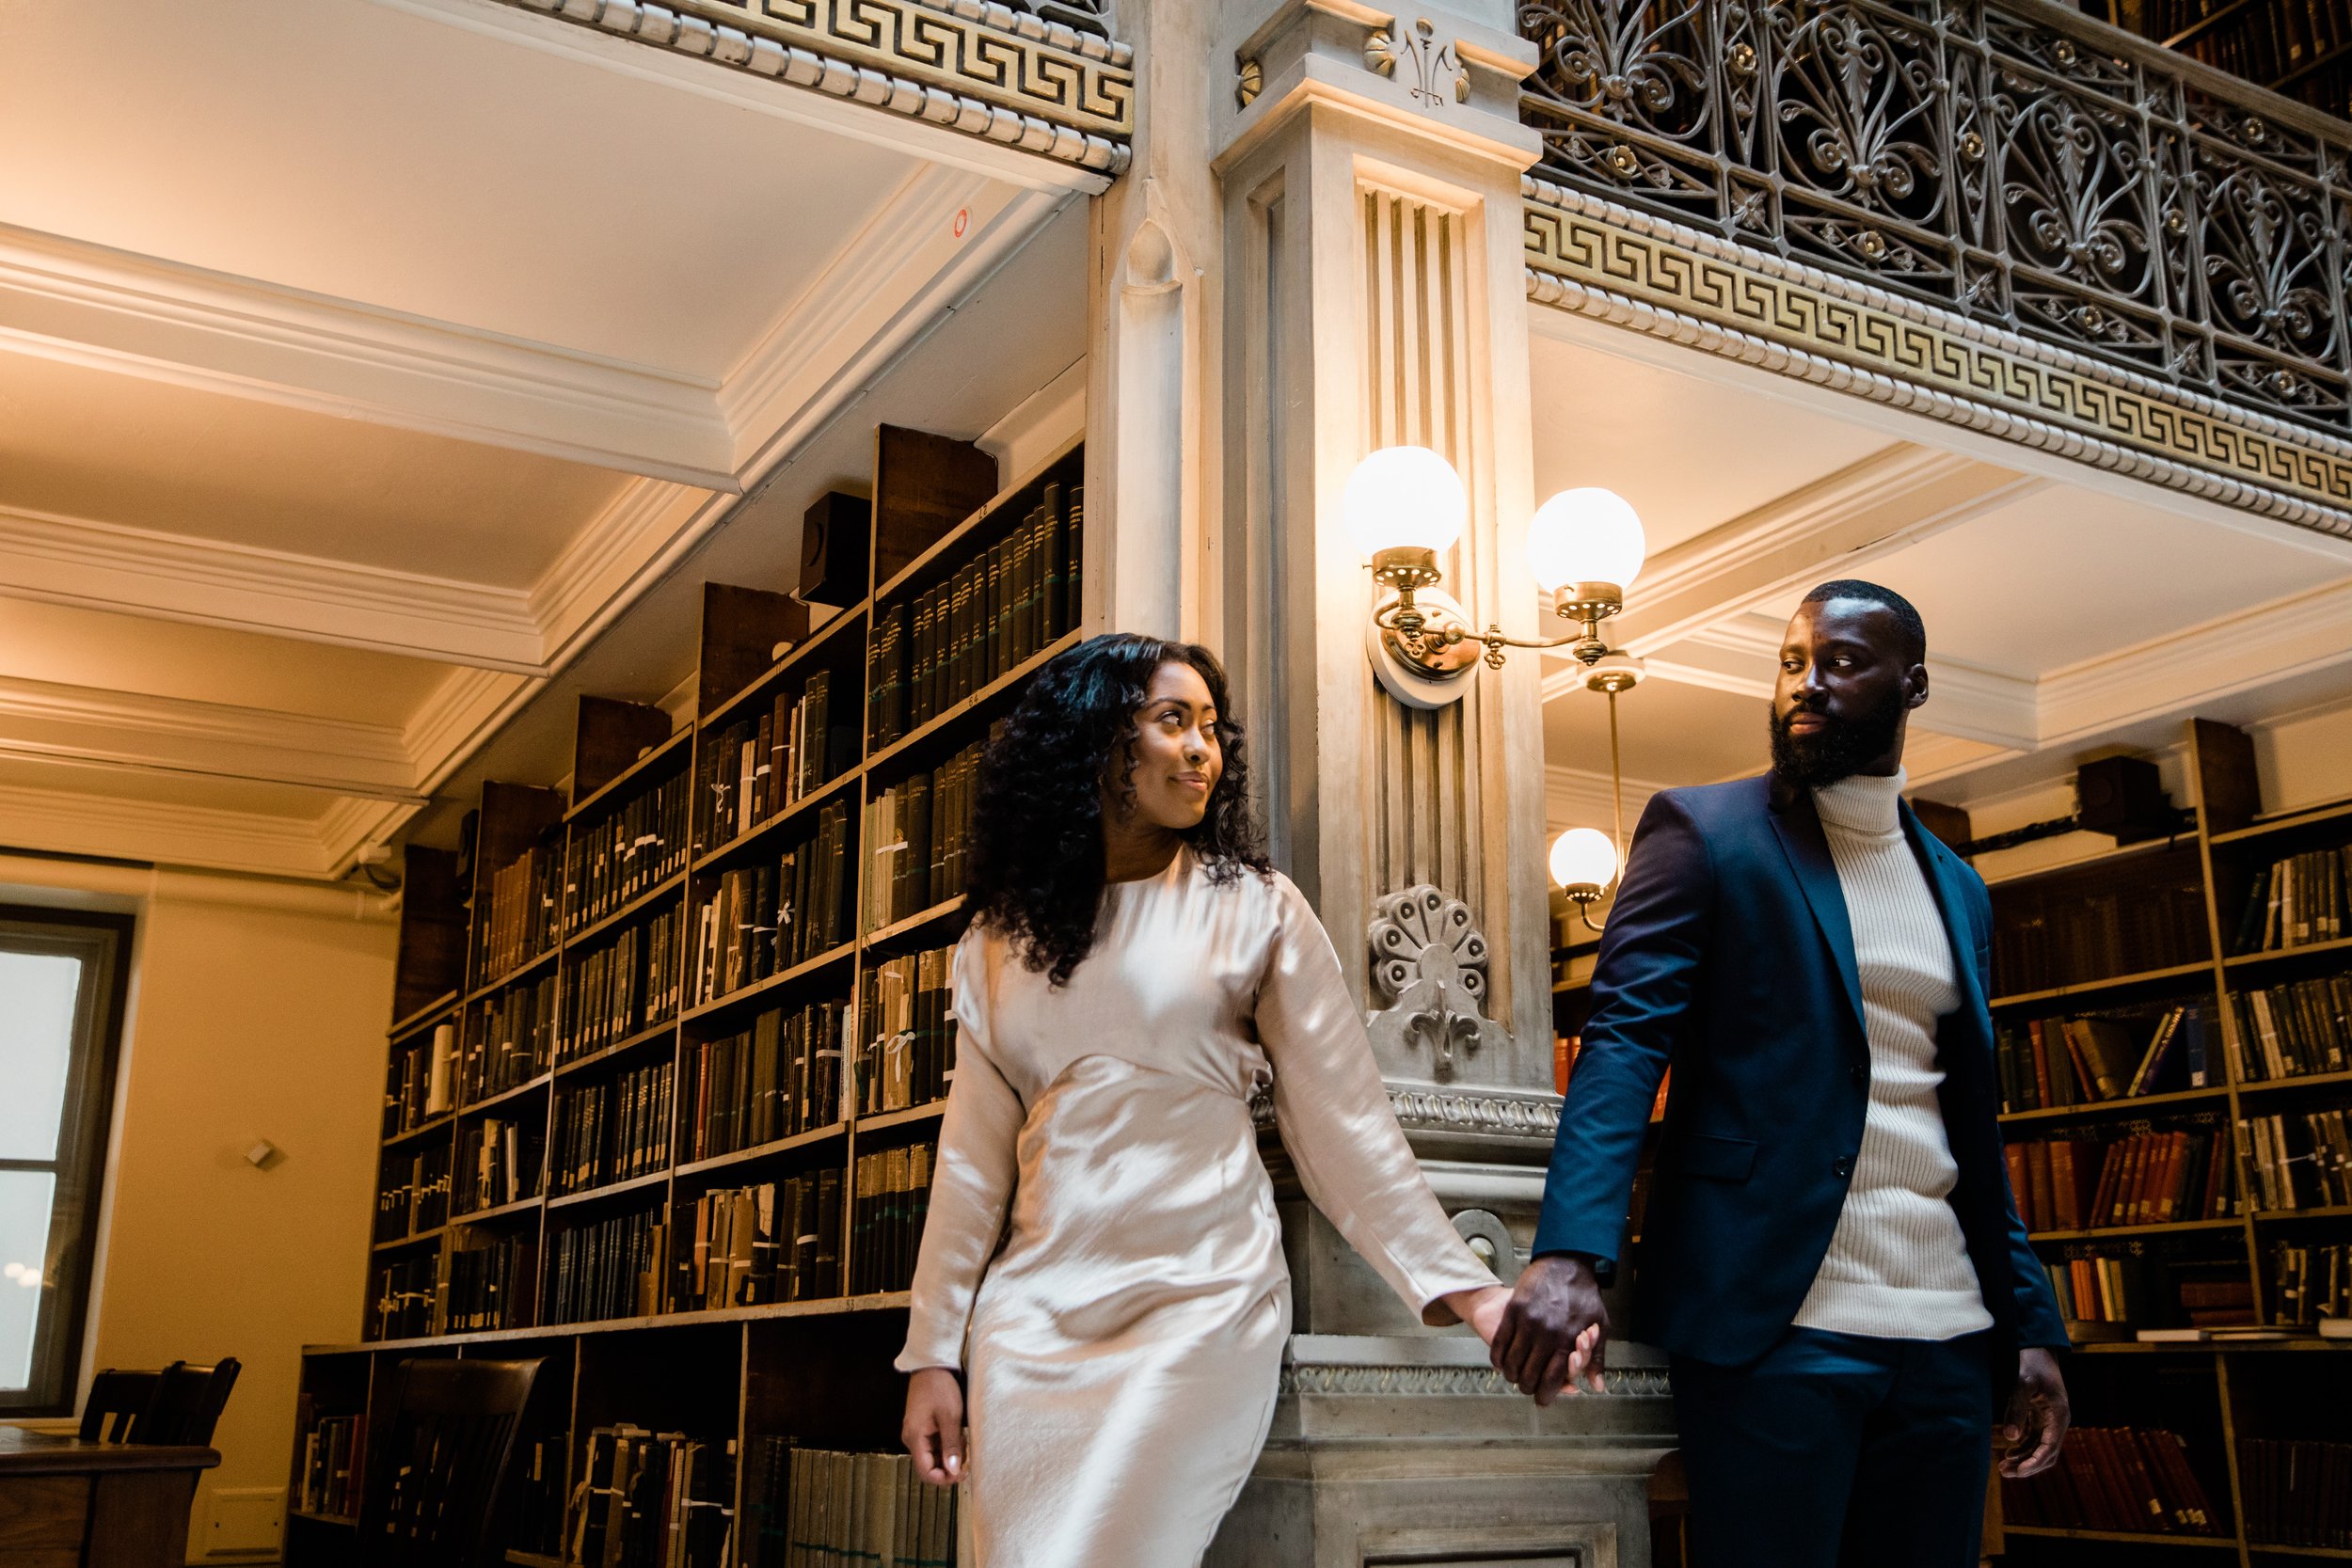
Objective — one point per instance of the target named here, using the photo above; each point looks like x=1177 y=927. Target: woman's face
x=1177 y=761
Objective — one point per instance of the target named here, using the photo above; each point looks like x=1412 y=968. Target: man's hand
x=1554 y=1331
x=2038 y=1417
x=933 y=1428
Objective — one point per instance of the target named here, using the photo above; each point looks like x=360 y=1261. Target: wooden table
x=65 y=1503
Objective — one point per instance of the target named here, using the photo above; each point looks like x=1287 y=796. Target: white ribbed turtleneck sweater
x=1898 y=1267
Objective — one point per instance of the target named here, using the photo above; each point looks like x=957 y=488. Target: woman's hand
x=1482 y=1309
x=933 y=1429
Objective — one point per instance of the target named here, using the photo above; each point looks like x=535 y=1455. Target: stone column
x=1372 y=293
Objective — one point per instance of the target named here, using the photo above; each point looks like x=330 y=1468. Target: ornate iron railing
x=2013 y=161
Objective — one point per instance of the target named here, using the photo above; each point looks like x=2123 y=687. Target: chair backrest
x=438 y=1463
x=180 y=1404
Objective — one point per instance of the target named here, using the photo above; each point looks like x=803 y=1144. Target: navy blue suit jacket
x=1729 y=954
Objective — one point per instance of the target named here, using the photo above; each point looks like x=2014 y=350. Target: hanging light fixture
x=1403 y=507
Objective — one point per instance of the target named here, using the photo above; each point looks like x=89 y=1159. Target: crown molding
x=173 y=735
x=86 y=304
x=172 y=577
x=1891 y=498
x=79 y=823
x=1576 y=798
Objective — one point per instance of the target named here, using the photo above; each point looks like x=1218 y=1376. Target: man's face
x=1846 y=684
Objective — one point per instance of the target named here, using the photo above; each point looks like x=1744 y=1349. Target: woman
x=1133 y=975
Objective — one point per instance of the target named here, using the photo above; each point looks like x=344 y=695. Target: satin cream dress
x=1121 y=1346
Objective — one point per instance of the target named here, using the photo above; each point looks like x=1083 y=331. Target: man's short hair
x=1915 y=629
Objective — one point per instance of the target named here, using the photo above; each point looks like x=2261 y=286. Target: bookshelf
x=2092 y=959
x=669 y=1057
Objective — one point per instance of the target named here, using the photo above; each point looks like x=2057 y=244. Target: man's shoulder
x=1736 y=803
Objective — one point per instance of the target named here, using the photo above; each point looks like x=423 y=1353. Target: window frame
x=85 y=1128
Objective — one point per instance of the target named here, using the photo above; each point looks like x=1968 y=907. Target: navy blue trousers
x=1838 y=1452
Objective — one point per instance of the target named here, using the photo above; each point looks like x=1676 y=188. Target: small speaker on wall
x=835 y=535
x=2122 y=797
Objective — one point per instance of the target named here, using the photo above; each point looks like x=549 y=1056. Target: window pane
x=36 y=1048
x=24 y=1199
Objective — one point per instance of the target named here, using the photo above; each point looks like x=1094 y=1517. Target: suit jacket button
x=1861 y=1075
x=1844 y=1167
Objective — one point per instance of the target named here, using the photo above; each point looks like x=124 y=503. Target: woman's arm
x=1343 y=1136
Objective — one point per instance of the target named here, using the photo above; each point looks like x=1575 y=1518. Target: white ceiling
x=362 y=361
x=2069 y=612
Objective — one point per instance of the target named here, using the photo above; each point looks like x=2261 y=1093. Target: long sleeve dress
x=1123 y=1345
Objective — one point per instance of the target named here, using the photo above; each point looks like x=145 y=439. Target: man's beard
x=1840 y=749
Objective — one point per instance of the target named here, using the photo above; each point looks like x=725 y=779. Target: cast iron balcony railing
x=2013 y=162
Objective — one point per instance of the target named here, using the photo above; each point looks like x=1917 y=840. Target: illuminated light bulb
x=1404 y=497
x=1587 y=535
x=1584 y=861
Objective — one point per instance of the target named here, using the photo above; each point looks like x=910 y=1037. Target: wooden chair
x=179 y=1405
x=438 y=1463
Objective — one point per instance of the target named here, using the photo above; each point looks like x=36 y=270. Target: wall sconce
x=1404 y=506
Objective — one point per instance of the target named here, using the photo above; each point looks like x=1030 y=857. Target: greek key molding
x=1456 y=1111
x=1609 y=262
x=1634 y=1383
x=976 y=66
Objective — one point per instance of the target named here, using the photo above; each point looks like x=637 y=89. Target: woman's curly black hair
x=1036 y=872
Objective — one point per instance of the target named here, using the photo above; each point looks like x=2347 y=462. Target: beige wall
x=255 y=1012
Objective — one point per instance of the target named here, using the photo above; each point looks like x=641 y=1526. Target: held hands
x=1481 y=1309
x=1554 y=1331
x=933 y=1428
x=2039 y=1415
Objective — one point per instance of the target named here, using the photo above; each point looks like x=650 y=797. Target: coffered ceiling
x=360 y=361
x=2070 y=612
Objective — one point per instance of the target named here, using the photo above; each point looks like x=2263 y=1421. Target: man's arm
x=1642 y=981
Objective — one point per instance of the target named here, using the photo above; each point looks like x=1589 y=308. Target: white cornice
x=1886 y=501
x=69 y=822
x=176 y=578
x=86 y=304
x=171 y=735
x=1578 y=797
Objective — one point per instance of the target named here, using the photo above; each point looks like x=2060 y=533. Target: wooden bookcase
x=814 y=1369
x=2164 y=918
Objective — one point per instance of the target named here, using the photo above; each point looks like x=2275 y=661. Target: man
x=1831 y=1255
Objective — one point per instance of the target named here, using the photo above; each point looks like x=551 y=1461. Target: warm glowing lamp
x=1404 y=499
x=1583 y=862
x=1585 y=547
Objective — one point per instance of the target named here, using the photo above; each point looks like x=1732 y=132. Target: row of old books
x=2123 y=1479
x=2297 y=901
x=333 y=1461
x=491 y=1283
x=510 y=1038
x=419 y=1081
x=2156 y=1178
x=500 y=1160
x=893 y=1193
x=918 y=833
x=2048 y=1063
x=2311 y=1286
x=2298 y=1162
x=2292 y=1030
x=756 y=767
x=2298 y=1493
x=652 y=1499
x=761 y=920
x=400 y=1300
x=613 y=1131
x=778 y=1079
x=2038 y=943
x=905 y=1019
x=536 y=1495
x=811 y=1508
x=2261 y=44
x=992 y=614
x=623 y=985
x=779 y=1240
x=640 y=845
x=521 y=923
x=610 y=1268
x=412 y=1192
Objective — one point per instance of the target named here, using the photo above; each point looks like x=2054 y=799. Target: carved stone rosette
x=1429 y=982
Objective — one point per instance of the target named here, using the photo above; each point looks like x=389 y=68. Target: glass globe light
x=1404 y=497
x=1585 y=536
x=1584 y=858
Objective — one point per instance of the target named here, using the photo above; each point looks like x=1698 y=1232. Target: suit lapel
x=1798 y=829
x=1951 y=903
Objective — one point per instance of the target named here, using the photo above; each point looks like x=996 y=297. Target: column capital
x=1435 y=71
